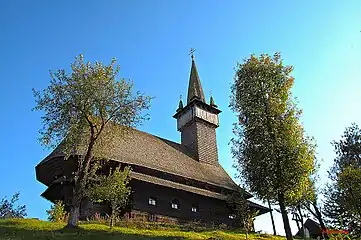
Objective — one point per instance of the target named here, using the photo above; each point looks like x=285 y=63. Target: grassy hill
x=30 y=229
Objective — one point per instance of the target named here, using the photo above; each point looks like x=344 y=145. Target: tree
x=242 y=213
x=309 y=202
x=57 y=212
x=272 y=153
x=9 y=210
x=272 y=220
x=311 y=207
x=84 y=111
x=113 y=189
x=343 y=193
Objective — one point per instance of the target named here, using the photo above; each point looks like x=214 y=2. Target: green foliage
x=57 y=212
x=270 y=141
x=9 y=210
x=86 y=111
x=244 y=216
x=349 y=180
x=30 y=229
x=113 y=189
x=88 y=103
x=343 y=193
x=274 y=157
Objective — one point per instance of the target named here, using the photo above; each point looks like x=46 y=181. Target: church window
x=175 y=204
x=152 y=201
x=194 y=208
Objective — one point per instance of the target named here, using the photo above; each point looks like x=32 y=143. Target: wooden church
x=171 y=181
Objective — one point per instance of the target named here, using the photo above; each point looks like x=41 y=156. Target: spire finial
x=195 y=90
x=211 y=101
x=180 y=105
x=191 y=52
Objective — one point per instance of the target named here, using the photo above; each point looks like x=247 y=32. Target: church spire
x=197 y=121
x=195 y=88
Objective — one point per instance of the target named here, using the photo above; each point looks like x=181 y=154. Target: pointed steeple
x=195 y=88
x=197 y=121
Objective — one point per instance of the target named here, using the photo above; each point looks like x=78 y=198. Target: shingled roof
x=195 y=88
x=146 y=150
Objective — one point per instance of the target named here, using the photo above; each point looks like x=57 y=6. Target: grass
x=30 y=229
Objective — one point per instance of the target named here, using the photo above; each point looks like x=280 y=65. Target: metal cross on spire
x=191 y=51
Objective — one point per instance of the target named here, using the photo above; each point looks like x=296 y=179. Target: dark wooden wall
x=209 y=209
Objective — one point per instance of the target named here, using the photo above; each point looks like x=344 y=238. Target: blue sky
x=151 y=40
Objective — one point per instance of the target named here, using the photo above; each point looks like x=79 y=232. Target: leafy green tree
x=113 y=189
x=8 y=209
x=274 y=157
x=57 y=212
x=243 y=215
x=343 y=193
x=349 y=181
x=85 y=110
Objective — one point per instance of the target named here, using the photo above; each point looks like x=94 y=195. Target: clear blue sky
x=151 y=39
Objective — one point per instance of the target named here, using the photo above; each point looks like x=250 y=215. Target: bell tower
x=198 y=120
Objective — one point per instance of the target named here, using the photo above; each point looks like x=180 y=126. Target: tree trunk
x=80 y=185
x=111 y=221
x=322 y=224
x=75 y=207
x=318 y=215
x=112 y=216
x=273 y=222
x=297 y=220
x=301 y=218
x=245 y=225
x=286 y=223
x=73 y=217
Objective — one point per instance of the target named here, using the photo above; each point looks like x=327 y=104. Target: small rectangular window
x=175 y=203
x=194 y=208
x=152 y=201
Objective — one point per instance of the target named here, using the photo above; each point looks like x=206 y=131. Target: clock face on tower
x=197 y=112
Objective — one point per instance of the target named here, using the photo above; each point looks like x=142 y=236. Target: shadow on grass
x=11 y=230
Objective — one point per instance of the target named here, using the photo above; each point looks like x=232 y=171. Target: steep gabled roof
x=146 y=150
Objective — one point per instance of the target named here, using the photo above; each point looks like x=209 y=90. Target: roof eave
x=196 y=101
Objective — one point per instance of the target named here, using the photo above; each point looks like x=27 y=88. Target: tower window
x=152 y=201
x=231 y=216
x=175 y=203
